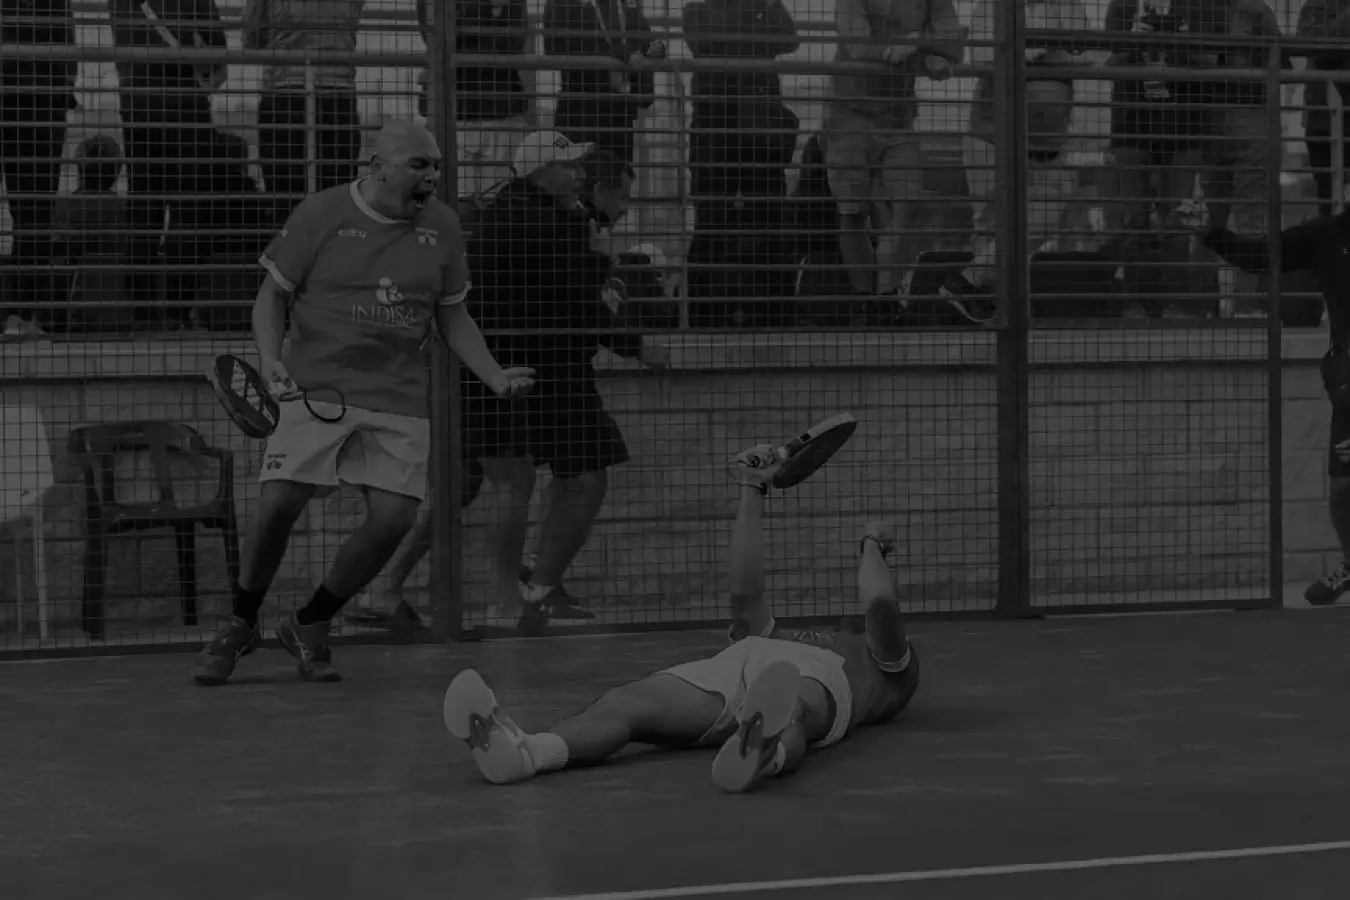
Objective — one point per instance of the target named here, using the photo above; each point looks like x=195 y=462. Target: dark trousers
x=32 y=134
x=171 y=143
x=739 y=152
x=283 y=143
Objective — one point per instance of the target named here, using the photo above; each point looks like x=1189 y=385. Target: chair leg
x=40 y=569
x=95 y=578
x=185 y=537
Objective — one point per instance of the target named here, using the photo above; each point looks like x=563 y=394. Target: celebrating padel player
x=367 y=270
x=766 y=699
x=1320 y=245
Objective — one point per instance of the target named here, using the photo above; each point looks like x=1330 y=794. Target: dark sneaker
x=557 y=604
x=1329 y=589
x=215 y=664
x=533 y=620
x=309 y=645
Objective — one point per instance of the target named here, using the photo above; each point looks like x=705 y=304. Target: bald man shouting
x=366 y=270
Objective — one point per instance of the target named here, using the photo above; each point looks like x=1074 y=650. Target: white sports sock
x=548 y=751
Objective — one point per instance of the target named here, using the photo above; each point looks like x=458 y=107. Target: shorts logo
x=352 y=233
x=388 y=293
x=274 y=461
x=427 y=236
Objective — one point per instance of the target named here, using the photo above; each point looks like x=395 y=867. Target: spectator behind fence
x=1051 y=183
x=874 y=155
x=301 y=26
x=35 y=96
x=167 y=130
x=601 y=106
x=1325 y=20
x=741 y=137
x=1156 y=149
x=491 y=103
x=1237 y=146
x=90 y=236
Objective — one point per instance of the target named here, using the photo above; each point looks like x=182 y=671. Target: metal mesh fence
x=784 y=211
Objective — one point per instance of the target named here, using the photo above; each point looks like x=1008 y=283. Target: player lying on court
x=766 y=699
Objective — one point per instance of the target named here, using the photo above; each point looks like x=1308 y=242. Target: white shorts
x=731 y=672
x=378 y=450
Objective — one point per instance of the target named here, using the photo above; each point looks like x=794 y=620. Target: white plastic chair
x=25 y=476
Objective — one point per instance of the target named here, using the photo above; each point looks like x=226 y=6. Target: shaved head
x=405 y=168
x=401 y=140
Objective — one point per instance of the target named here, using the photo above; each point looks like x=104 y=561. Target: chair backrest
x=25 y=457
x=96 y=446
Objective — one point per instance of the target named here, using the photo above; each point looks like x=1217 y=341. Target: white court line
x=1109 y=862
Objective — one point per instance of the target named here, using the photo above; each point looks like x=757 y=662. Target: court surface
x=1058 y=751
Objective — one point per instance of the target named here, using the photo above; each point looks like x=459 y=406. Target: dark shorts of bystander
x=564 y=426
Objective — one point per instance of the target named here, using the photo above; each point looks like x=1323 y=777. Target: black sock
x=246 y=604
x=321 y=608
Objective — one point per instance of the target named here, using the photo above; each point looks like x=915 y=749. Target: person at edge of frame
x=1320 y=245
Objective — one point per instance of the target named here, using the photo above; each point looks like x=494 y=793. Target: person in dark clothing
x=283 y=138
x=601 y=106
x=741 y=141
x=1325 y=20
x=1320 y=246
x=167 y=129
x=538 y=278
x=491 y=103
x=35 y=96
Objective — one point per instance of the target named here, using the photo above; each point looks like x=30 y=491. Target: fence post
x=1014 y=318
x=1274 y=329
x=447 y=558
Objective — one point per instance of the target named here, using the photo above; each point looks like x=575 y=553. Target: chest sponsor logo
x=392 y=307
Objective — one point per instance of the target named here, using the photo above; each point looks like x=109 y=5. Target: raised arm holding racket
x=368 y=271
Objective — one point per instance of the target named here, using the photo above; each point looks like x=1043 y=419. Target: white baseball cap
x=543 y=147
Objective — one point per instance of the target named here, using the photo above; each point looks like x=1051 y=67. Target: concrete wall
x=1147 y=480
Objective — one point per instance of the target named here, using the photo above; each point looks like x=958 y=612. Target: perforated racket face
x=244 y=396
x=813 y=452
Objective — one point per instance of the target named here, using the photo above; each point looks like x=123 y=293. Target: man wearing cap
x=537 y=275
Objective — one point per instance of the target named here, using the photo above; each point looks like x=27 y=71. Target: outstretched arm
x=748 y=604
x=750 y=613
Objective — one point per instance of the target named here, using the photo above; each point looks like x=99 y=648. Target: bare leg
x=660 y=709
x=573 y=504
x=855 y=247
x=750 y=612
x=515 y=476
x=1340 y=513
x=280 y=504
x=361 y=557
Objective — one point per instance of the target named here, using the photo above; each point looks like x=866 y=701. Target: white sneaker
x=497 y=743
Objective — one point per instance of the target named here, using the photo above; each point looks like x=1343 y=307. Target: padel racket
x=254 y=405
x=811 y=449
